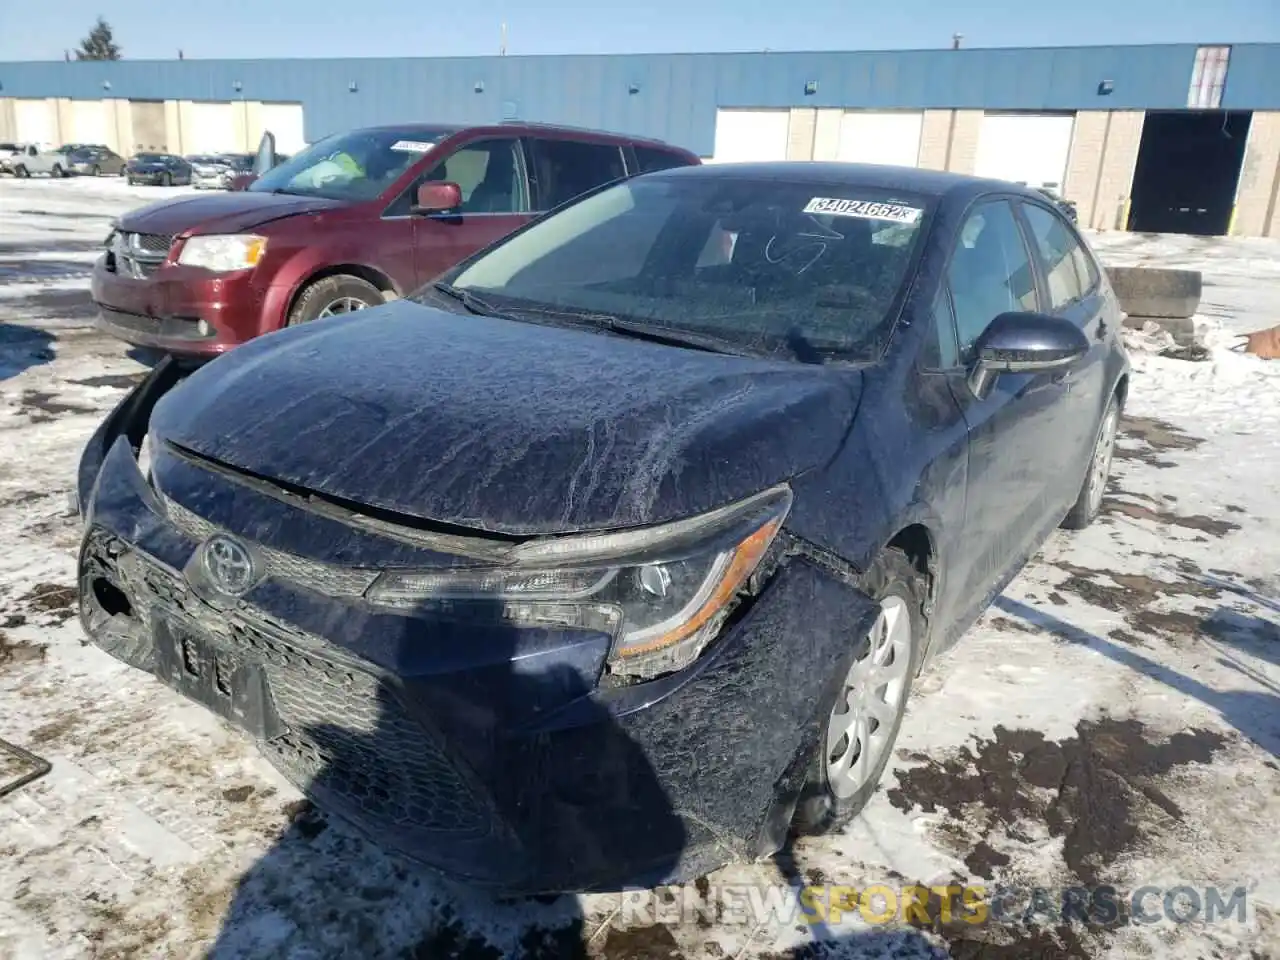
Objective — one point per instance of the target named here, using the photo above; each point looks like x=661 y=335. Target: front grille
x=348 y=736
x=152 y=242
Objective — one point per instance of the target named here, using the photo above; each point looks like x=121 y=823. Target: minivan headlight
x=223 y=252
x=662 y=592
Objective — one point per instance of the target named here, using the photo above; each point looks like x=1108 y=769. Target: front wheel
x=333 y=296
x=96 y=171
x=20 y=172
x=166 y=180
x=867 y=703
x=1089 y=502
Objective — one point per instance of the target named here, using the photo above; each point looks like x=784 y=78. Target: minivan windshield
x=351 y=166
x=814 y=271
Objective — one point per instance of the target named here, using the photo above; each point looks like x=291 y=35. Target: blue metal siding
x=1253 y=77
x=678 y=93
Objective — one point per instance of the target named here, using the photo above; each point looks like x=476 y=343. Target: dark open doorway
x=1188 y=166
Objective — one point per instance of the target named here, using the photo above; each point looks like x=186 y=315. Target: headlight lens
x=661 y=592
x=223 y=253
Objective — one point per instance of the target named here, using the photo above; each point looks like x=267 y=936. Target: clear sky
x=42 y=29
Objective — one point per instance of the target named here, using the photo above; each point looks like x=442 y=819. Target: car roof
x=929 y=183
x=515 y=126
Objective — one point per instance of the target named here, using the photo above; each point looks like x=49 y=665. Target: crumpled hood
x=219 y=213
x=507 y=427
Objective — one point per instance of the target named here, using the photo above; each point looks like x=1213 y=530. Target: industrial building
x=1178 y=138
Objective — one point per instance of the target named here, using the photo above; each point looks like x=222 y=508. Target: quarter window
x=990 y=271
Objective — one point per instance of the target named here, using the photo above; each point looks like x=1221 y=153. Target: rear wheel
x=332 y=296
x=20 y=171
x=1089 y=503
x=866 y=704
x=166 y=180
x=56 y=172
x=96 y=171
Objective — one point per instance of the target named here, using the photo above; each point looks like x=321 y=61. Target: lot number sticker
x=865 y=209
x=412 y=146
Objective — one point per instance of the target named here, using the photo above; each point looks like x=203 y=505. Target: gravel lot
x=1113 y=720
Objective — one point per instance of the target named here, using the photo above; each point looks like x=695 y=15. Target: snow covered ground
x=1114 y=720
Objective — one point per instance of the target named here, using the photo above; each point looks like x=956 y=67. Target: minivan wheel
x=1089 y=503
x=331 y=296
x=866 y=704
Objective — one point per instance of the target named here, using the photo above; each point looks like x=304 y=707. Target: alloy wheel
x=340 y=306
x=861 y=726
x=1100 y=468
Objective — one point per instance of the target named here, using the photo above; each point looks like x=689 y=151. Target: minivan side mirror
x=437 y=196
x=1024 y=343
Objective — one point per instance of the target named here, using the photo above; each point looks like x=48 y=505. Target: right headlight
x=661 y=592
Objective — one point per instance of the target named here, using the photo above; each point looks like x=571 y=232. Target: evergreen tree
x=99 y=44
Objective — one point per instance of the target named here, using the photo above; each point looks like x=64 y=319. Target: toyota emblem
x=228 y=564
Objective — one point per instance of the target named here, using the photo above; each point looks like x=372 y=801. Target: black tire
x=1089 y=501
x=132 y=182
x=56 y=172
x=20 y=171
x=819 y=810
x=96 y=171
x=319 y=296
x=166 y=180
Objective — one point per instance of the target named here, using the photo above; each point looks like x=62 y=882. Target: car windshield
x=350 y=166
x=814 y=271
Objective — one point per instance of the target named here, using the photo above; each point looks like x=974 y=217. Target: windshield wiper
x=644 y=331
x=474 y=304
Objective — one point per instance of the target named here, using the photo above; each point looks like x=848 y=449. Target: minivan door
x=495 y=201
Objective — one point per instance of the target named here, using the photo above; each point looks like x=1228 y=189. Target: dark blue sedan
x=611 y=555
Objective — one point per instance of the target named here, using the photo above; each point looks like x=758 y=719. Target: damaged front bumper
x=497 y=753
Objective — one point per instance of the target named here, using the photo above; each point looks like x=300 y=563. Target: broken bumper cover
x=491 y=751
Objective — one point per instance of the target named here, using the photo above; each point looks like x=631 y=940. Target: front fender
x=129 y=419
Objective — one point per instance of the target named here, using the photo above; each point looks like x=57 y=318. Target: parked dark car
x=613 y=554
x=338 y=228
x=158 y=169
x=95 y=162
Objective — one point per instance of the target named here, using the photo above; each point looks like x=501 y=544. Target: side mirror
x=436 y=197
x=1024 y=343
x=266 y=156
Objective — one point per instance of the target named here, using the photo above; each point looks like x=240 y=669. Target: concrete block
x=1151 y=292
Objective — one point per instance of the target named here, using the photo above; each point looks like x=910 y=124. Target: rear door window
x=1064 y=264
x=564 y=169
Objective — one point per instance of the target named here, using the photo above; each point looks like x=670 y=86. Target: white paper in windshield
x=412 y=146
x=864 y=209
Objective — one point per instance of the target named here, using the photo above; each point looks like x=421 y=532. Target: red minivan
x=352 y=221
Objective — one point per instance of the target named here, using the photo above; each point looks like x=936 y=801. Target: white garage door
x=890 y=138
x=34 y=121
x=209 y=128
x=284 y=120
x=745 y=135
x=1025 y=148
x=89 y=122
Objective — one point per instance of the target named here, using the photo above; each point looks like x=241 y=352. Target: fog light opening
x=111 y=599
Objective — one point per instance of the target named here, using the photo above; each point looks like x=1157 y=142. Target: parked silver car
x=95 y=162
x=215 y=171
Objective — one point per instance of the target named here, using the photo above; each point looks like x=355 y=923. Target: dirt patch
x=1095 y=790
x=54 y=599
x=653 y=941
x=38 y=402
x=1218 y=528
x=122 y=381
x=1158 y=434
x=55 y=729
x=25 y=497
x=1127 y=591
x=14 y=652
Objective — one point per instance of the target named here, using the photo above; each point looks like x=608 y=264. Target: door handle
x=1101 y=332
